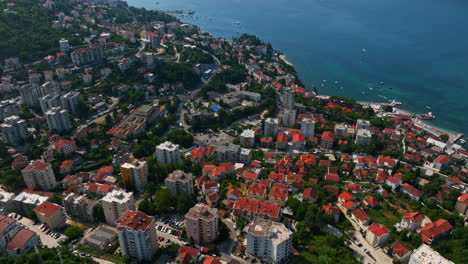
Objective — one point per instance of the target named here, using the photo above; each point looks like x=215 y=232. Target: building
x=252 y=208
x=65 y=146
x=30 y=93
x=424 y=254
x=92 y=54
x=289 y=117
x=412 y=221
x=135 y=173
x=23 y=242
x=308 y=127
x=363 y=137
x=14 y=130
x=377 y=235
x=271 y=127
x=462 y=203
x=412 y=191
x=137 y=235
x=136 y=121
x=58 y=119
x=340 y=130
x=50 y=88
x=167 y=153
x=70 y=101
x=49 y=101
x=154 y=39
x=115 y=204
x=400 y=252
x=269 y=240
x=79 y=208
x=8 y=228
x=247 y=138
x=25 y=202
x=202 y=224
x=289 y=98
x=39 y=175
x=101 y=238
x=52 y=215
x=9 y=108
x=327 y=139
x=6 y=201
x=233 y=153
x=363 y=124
x=64 y=46
x=179 y=182
x=432 y=232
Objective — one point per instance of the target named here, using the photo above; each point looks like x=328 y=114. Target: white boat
x=364 y=50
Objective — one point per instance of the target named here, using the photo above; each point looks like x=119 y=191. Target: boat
x=370 y=88
x=428 y=107
x=364 y=50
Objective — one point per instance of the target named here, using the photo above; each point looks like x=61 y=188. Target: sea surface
x=413 y=51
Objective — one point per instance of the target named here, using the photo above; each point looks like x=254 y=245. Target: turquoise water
x=418 y=48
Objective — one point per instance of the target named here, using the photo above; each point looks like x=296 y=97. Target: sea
x=415 y=52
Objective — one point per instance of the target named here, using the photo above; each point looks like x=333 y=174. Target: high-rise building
x=79 y=208
x=202 y=224
x=64 y=46
x=50 y=88
x=340 y=130
x=70 y=101
x=271 y=127
x=363 y=124
x=247 y=138
x=88 y=55
x=179 y=182
x=363 y=137
x=39 y=175
x=50 y=101
x=9 y=108
x=167 y=153
x=288 y=98
x=308 y=127
x=289 y=117
x=135 y=173
x=30 y=93
x=154 y=39
x=269 y=240
x=58 y=119
x=116 y=203
x=14 y=130
x=137 y=235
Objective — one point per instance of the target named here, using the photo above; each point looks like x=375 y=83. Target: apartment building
x=167 y=153
x=135 y=173
x=39 y=175
x=202 y=224
x=179 y=182
x=115 y=204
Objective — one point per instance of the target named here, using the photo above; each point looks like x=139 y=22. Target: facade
x=115 y=204
x=64 y=46
x=377 y=235
x=247 y=138
x=289 y=99
x=6 y=200
x=50 y=101
x=135 y=173
x=30 y=93
x=327 y=139
x=462 y=203
x=14 y=130
x=88 y=55
x=363 y=124
x=167 y=153
x=271 y=127
x=432 y=232
x=269 y=240
x=308 y=127
x=52 y=215
x=363 y=137
x=58 y=119
x=289 y=117
x=50 y=88
x=202 y=224
x=9 y=108
x=424 y=254
x=412 y=221
x=179 y=182
x=39 y=175
x=65 y=146
x=79 y=208
x=137 y=235
x=70 y=101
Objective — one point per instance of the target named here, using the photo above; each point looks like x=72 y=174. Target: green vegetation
x=195 y=56
x=48 y=255
x=324 y=248
x=165 y=202
x=73 y=232
x=218 y=82
x=181 y=137
x=456 y=248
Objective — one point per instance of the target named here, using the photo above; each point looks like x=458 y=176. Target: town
x=131 y=137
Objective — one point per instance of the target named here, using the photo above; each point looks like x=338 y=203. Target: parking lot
x=169 y=229
x=46 y=239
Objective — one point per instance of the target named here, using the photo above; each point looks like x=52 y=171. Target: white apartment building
x=288 y=98
x=308 y=127
x=137 y=235
x=289 y=117
x=167 y=153
x=116 y=203
x=179 y=182
x=363 y=124
x=50 y=88
x=58 y=119
x=269 y=240
x=271 y=127
x=50 y=101
x=30 y=93
x=25 y=202
x=340 y=130
x=14 y=130
x=363 y=137
x=9 y=108
x=39 y=175
x=64 y=46
x=70 y=101
x=247 y=138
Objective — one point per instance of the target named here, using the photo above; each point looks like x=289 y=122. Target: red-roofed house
x=330 y=209
x=400 y=252
x=65 y=146
x=353 y=187
x=298 y=141
x=233 y=194
x=212 y=199
x=276 y=177
x=360 y=216
x=452 y=180
x=441 y=162
x=187 y=255
x=412 y=191
x=256 y=191
x=350 y=205
x=310 y=195
x=199 y=154
x=392 y=182
x=278 y=194
x=371 y=202
x=24 y=241
x=412 y=221
x=332 y=177
x=211 y=260
x=327 y=139
x=251 y=208
x=52 y=215
x=66 y=167
x=282 y=141
x=385 y=162
x=377 y=235
x=432 y=232
x=462 y=204
x=344 y=197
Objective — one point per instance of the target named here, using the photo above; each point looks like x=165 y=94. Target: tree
x=98 y=212
x=184 y=203
x=163 y=200
x=56 y=199
x=73 y=232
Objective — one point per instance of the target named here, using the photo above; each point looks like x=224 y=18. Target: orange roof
x=346 y=196
x=348 y=204
x=360 y=214
x=378 y=230
x=437 y=228
x=463 y=198
x=211 y=260
x=413 y=217
x=47 y=209
x=134 y=220
x=310 y=192
x=37 y=165
x=400 y=249
x=278 y=193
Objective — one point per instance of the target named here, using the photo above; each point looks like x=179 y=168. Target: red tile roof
x=412 y=190
x=5 y=222
x=346 y=196
x=282 y=138
x=413 y=217
x=442 y=159
x=378 y=230
x=63 y=142
x=349 y=204
x=47 y=209
x=37 y=165
x=310 y=192
x=328 y=136
x=235 y=192
x=211 y=260
x=454 y=179
x=134 y=220
x=20 y=239
x=276 y=176
x=439 y=227
x=332 y=177
x=257 y=189
x=360 y=214
x=329 y=208
x=371 y=200
x=400 y=249
x=463 y=198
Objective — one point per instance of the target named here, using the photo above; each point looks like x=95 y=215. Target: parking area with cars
x=169 y=230
x=48 y=237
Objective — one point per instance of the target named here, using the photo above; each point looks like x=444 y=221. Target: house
x=327 y=139
x=252 y=208
x=462 y=204
x=332 y=177
x=257 y=191
x=350 y=205
x=360 y=216
x=188 y=255
x=310 y=195
x=330 y=209
x=392 y=182
x=233 y=194
x=279 y=193
x=400 y=252
x=353 y=187
x=441 y=162
x=371 y=202
x=282 y=141
x=65 y=146
x=432 y=232
x=385 y=162
x=412 y=191
x=412 y=221
x=344 y=197
x=452 y=180
x=66 y=167
x=298 y=142
x=52 y=215
x=377 y=235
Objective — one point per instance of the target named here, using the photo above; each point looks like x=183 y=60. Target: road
x=227 y=245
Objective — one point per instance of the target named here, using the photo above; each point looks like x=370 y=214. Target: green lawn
x=325 y=249
x=383 y=216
